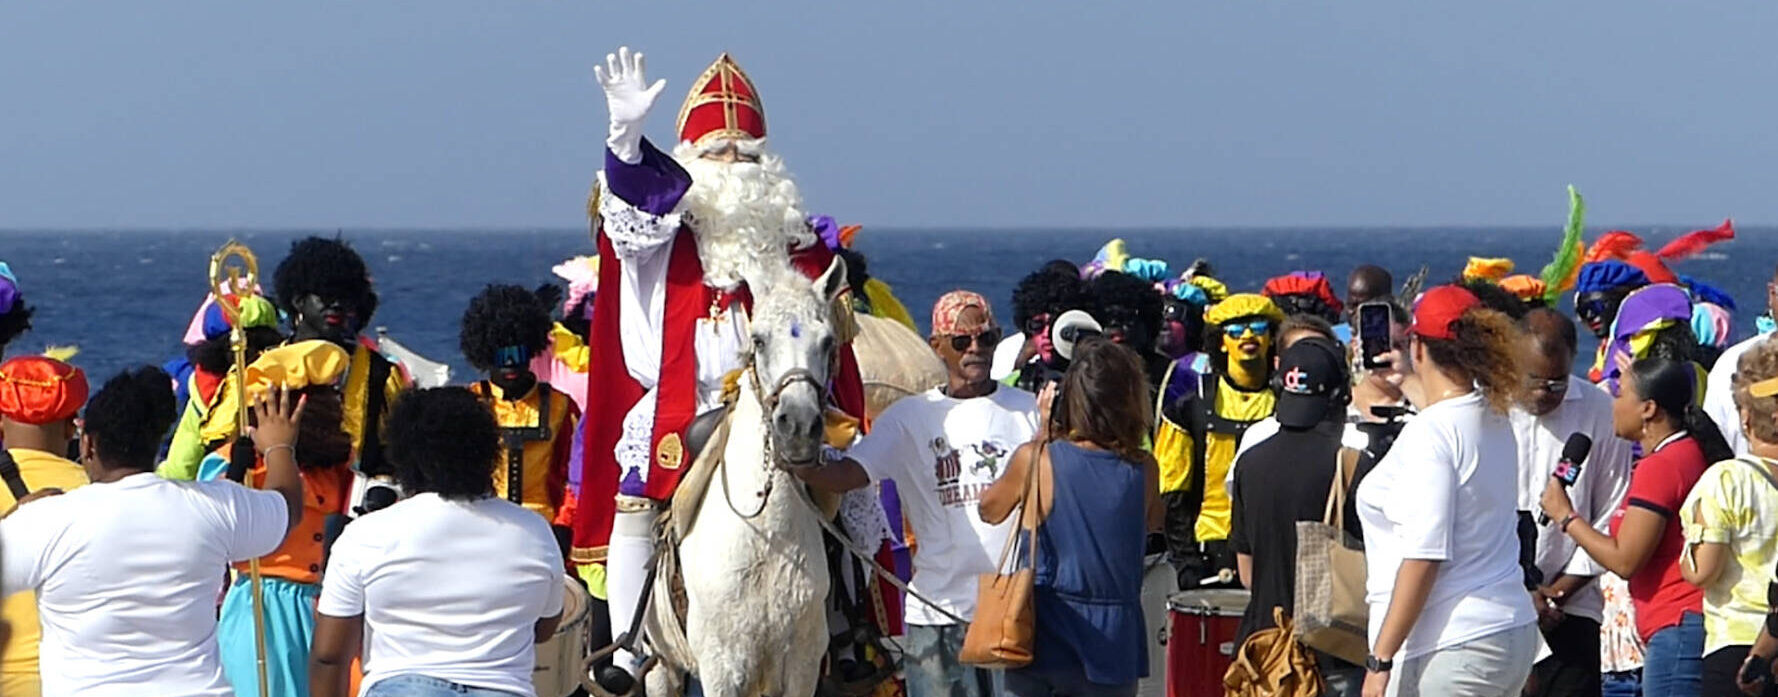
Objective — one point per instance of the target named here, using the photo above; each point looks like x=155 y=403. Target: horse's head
x=794 y=348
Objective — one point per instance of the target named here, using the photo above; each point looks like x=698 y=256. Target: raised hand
x=628 y=98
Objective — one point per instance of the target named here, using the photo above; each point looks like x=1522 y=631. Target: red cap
x=39 y=390
x=1440 y=308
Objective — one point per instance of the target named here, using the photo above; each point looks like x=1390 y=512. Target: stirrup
x=594 y=687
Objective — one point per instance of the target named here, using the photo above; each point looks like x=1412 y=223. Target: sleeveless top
x=1089 y=569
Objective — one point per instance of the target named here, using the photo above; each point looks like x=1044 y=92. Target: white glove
x=628 y=97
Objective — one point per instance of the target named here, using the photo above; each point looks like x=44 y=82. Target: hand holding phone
x=1375 y=337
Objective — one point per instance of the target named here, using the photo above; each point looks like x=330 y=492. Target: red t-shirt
x=1660 y=483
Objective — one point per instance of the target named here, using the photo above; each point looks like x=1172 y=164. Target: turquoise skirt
x=289 y=629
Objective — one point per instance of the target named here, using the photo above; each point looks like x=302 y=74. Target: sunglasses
x=1237 y=330
x=1037 y=323
x=987 y=338
x=1552 y=387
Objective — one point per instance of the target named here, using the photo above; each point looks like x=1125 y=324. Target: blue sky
x=461 y=113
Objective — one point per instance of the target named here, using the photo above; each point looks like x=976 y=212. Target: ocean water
x=125 y=297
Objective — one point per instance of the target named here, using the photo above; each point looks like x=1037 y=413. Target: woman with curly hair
x=455 y=585
x=1440 y=517
x=125 y=568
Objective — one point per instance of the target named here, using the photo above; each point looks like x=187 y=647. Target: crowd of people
x=282 y=511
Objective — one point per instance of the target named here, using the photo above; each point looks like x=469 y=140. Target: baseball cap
x=1440 y=308
x=1310 y=373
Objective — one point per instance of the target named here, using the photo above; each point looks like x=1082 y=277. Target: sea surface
x=125 y=297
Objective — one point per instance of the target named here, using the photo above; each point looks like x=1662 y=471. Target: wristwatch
x=1372 y=664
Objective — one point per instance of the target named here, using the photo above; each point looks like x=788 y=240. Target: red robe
x=612 y=392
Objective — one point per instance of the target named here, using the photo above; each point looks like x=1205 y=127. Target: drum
x=561 y=659
x=1201 y=640
x=1158 y=582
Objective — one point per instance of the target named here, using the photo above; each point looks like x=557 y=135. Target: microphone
x=241 y=457
x=1574 y=454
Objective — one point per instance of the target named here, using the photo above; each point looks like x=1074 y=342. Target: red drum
x=1201 y=640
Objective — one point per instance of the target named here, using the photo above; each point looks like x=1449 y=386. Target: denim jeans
x=1024 y=683
x=1624 y=684
x=1492 y=666
x=422 y=686
x=932 y=670
x=1342 y=679
x=1673 y=664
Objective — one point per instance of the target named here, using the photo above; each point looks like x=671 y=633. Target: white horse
x=754 y=567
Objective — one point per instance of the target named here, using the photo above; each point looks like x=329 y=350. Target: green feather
x=1561 y=268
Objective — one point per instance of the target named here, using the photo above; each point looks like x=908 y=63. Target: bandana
x=949 y=307
x=37 y=390
x=1243 y=305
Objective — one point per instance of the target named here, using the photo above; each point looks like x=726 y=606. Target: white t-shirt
x=448 y=589
x=1267 y=427
x=942 y=454
x=127 y=574
x=1719 y=398
x=1448 y=491
x=1604 y=480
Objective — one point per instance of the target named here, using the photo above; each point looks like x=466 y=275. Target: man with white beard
x=679 y=238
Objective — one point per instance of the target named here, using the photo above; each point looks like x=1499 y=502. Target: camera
x=372 y=494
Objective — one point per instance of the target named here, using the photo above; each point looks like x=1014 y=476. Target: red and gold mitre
x=722 y=104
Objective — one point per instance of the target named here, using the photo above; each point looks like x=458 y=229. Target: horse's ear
x=832 y=281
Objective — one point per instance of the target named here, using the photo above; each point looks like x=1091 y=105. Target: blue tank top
x=1089 y=569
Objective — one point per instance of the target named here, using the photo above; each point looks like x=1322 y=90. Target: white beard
x=745 y=216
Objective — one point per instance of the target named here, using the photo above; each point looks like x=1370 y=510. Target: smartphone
x=1374 y=336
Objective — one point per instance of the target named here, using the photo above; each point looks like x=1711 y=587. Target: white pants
x=626 y=572
x=1492 y=666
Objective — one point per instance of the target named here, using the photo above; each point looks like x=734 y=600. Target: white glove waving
x=628 y=97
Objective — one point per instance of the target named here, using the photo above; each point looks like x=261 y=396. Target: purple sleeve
x=653 y=185
x=576 y=456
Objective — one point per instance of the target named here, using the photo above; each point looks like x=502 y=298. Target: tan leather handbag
x=1272 y=664
x=1331 y=613
x=1004 y=630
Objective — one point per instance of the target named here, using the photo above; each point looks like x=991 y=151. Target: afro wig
x=14 y=322
x=1121 y=299
x=502 y=316
x=1052 y=290
x=1496 y=298
x=443 y=440
x=324 y=268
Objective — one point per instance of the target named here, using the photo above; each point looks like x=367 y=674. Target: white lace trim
x=861 y=511
x=633 y=231
x=635 y=447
